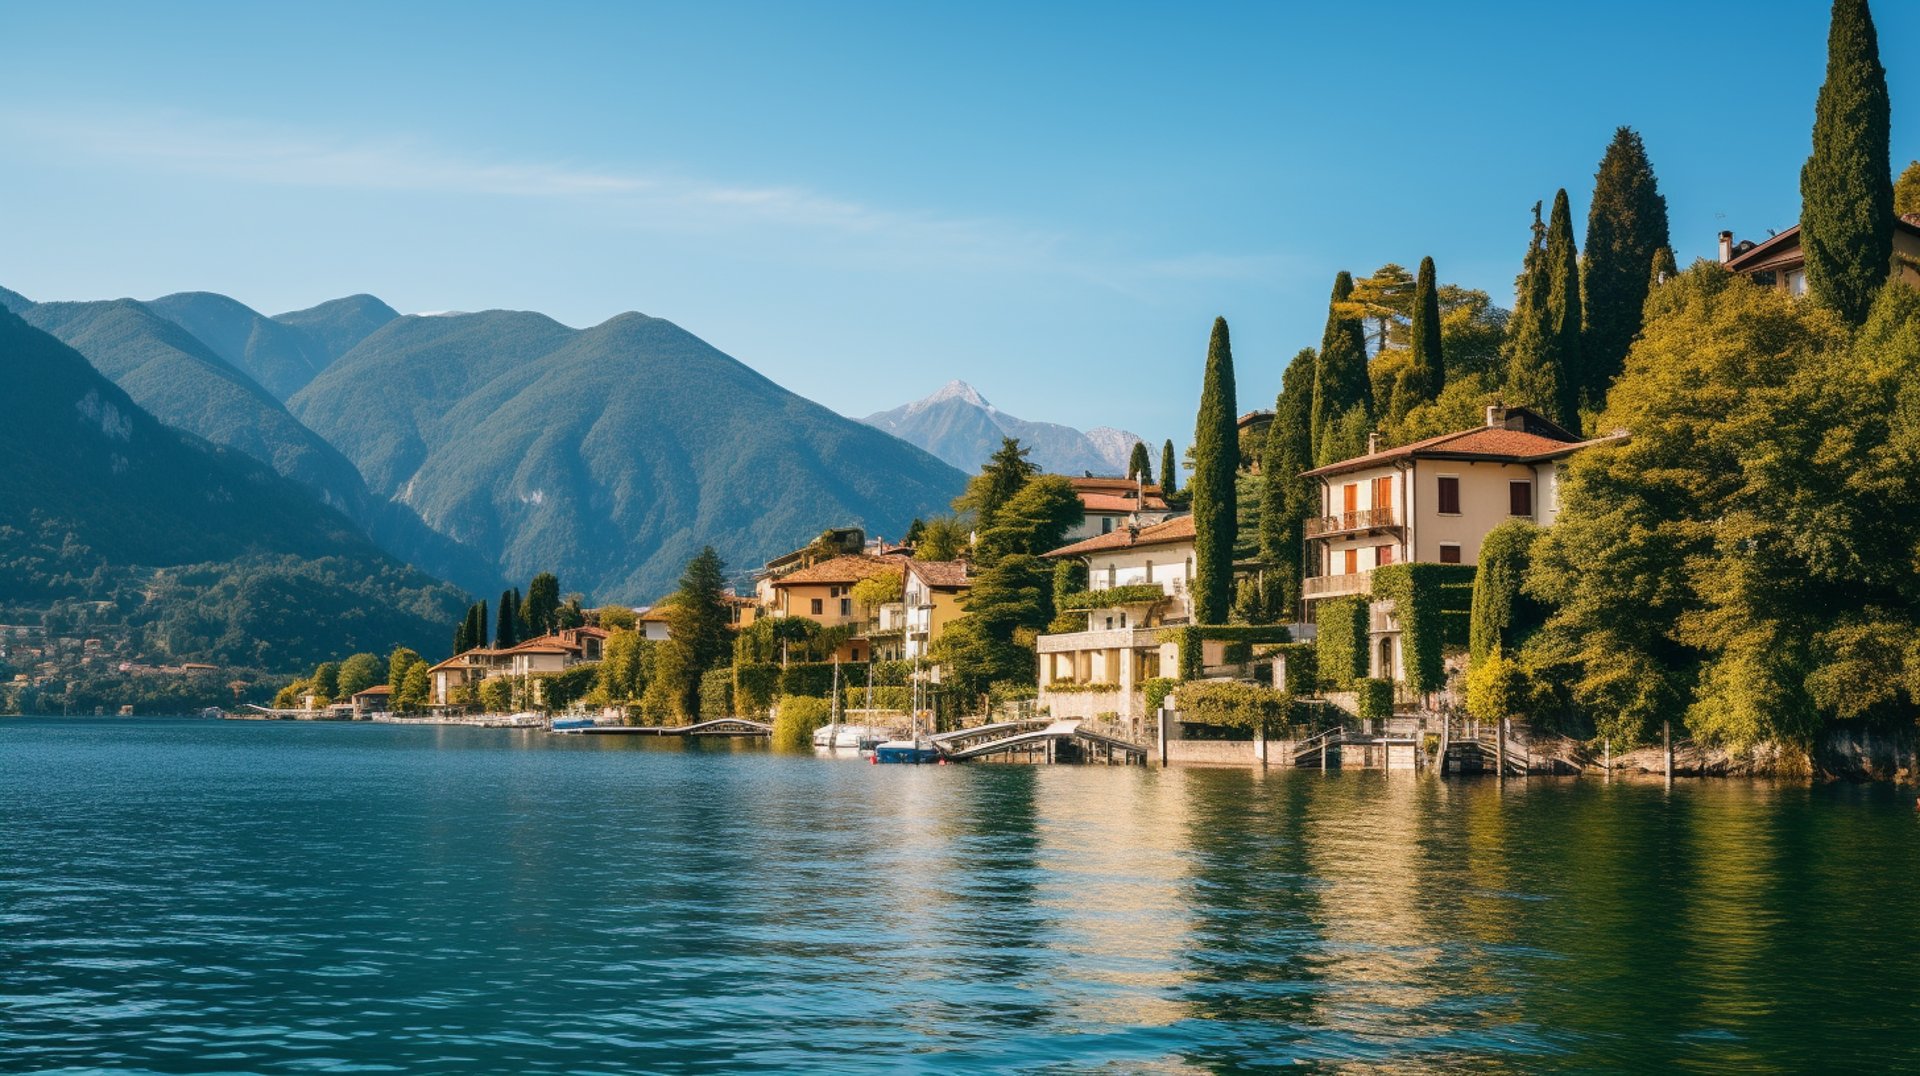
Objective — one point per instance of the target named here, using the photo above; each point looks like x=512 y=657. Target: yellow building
x=932 y=598
x=823 y=593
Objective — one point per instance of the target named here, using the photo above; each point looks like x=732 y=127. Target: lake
x=184 y=895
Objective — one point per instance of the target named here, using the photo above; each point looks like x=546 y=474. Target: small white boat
x=842 y=736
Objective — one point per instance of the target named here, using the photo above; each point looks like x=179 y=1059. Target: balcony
x=1365 y=519
x=1337 y=586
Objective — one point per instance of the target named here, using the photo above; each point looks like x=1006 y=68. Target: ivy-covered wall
x=1240 y=639
x=1434 y=605
x=1231 y=704
x=1341 y=642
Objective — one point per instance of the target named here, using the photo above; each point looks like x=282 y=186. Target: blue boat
x=910 y=752
x=567 y=724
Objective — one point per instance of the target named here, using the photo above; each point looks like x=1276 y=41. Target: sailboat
x=837 y=734
x=913 y=749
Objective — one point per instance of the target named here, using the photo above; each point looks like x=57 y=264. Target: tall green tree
x=1140 y=465
x=402 y=659
x=1216 y=458
x=1534 y=377
x=1846 y=187
x=1007 y=607
x=1340 y=376
x=505 y=632
x=1906 y=191
x=326 y=681
x=1169 y=473
x=941 y=538
x=1285 y=497
x=1563 y=307
x=1382 y=302
x=697 y=626
x=1033 y=521
x=1626 y=223
x=1426 y=370
x=999 y=479
x=543 y=602
x=360 y=672
x=1503 y=616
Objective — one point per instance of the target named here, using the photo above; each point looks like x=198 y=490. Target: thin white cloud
x=254 y=153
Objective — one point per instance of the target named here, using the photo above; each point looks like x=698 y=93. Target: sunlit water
x=193 y=896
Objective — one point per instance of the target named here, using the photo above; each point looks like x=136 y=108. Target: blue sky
x=864 y=201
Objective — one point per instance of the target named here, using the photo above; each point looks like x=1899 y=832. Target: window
x=1449 y=552
x=1111 y=574
x=819 y=606
x=1109 y=623
x=1149 y=571
x=1106 y=524
x=1520 y=498
x=855 y=652
x=1449 y=495
x=846 y=606
x=1350 y=497
x=1382 y=492
x=1382 y=555
x=1352 y=561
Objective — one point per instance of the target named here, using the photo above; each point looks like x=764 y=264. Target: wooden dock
x=725 y=726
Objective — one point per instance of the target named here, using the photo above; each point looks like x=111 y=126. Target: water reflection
x=190 y=895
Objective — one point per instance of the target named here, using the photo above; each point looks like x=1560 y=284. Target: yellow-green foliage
x=1232 y=704
x=1341 y=641
x=1432 y=603
x=1373 y=698
x=1496 y=688
x=799 y=716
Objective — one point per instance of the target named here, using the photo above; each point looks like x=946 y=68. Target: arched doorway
x=1384 y=667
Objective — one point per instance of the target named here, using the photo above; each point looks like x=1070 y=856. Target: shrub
x=799 y=716
x=1375 y=698
x=1074 y=687
x=1503 y=616
x=892 y=672
x=884 y=697
x=814 y=678
x=1232 y=704
x=1302 y=666
x=716 y=692
x=1496 y=687
x=1341 y=645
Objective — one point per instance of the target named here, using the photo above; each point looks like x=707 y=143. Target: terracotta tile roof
x=377 y=689
x=652 y=614
x=1481 y=442
x=1782 y=248
x=1117 y=495
x=1178 y=529
x=941 y=574
x=850 y=568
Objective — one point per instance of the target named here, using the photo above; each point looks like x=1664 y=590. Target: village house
x=1139 y=579
x=367 y=702
x=1778 y=262
x=823 y=593
x=525 y=662
x=932 y=598
x=1110 y=504
x=1431 y=501
x=653 y=624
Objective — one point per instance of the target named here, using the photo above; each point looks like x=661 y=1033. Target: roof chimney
x=1496 y=416
x=1726 y=247
x=1373 y=442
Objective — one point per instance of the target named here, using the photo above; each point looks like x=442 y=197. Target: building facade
x=1778 y=262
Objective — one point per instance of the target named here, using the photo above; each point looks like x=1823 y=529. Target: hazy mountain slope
x=385 y=403
x=958 y=425
x=14 y=301
x=276 y=357
x=98 y=495
x=172 y=374
x=335 y=327
x=611 y=454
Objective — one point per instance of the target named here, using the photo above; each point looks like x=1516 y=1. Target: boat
x=840 y=735
x=909 y=752
x=565 y=724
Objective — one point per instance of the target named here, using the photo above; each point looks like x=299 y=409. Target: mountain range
x=958 y=425
x=128 y=524
x=494 y=445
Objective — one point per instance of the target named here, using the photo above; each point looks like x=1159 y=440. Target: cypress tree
x=1169 y=476
x=1533 y=377
x=520 y=631
x=1663 y=269
x=1285 y=497
x=1563 y=308
x=480 y=623
x=698 y=625
x=543 y=602
x=1626 y=223
x=1002 y=476
x=1141 y=465
x=504 y=634
x=1216 y=457
x=1340 y=376
x=1846 y=188
x=1426 y=368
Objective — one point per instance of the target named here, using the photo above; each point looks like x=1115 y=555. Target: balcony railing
x=1335 y=586
x=1365 y=519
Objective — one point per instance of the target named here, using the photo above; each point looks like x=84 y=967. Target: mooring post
x=1606 y=756
x=1500 y=748
x=1324 y=737
x=1164 y=721
x=1260 y=744
x=1666 y=740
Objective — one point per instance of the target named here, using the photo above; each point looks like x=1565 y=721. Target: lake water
x=192 y=896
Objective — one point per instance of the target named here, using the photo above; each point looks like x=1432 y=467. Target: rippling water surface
x=193 y=896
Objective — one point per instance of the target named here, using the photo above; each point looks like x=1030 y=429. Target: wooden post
x=1163 y=723
x=1607 y=757
x=1500 y=748
x=1323 y=752
x=1666 y=740
x=1260 y=744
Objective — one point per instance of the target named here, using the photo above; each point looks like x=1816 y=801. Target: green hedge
x=1303 y=666
x=799 y=716
x=1502 y=615
x=1340 y=647
x=1375 y=698
x=1131 y=594
x=1192 y=653
x=1071 y=687
x=755 y=686
x=1434 y=605
x=885 y=697
x=1232 y=704
x=716 y=693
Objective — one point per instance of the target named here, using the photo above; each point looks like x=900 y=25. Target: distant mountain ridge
x=958 y=425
